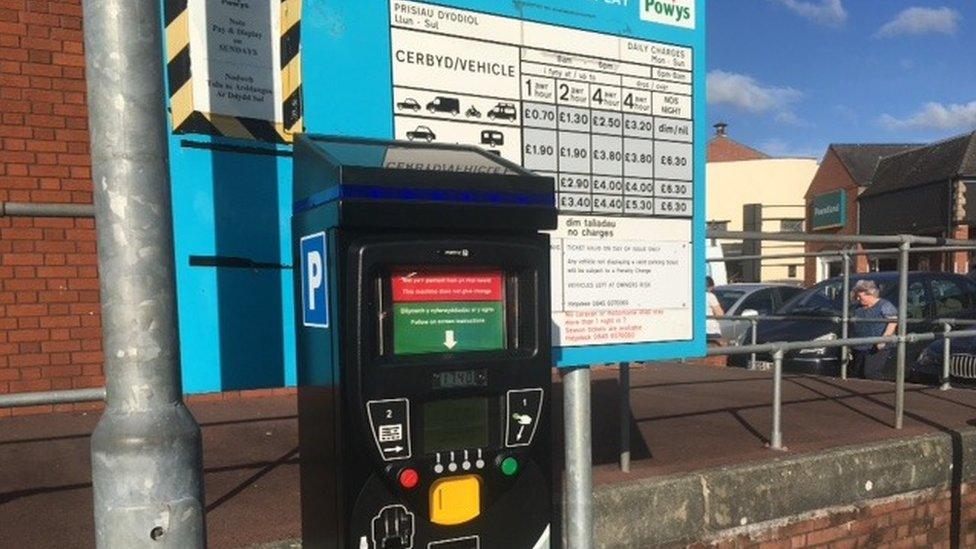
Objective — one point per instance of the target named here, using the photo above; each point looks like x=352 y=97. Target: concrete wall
x=773 y=182
x=915 y=492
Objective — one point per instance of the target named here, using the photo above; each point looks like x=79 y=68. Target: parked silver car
x=749 y=300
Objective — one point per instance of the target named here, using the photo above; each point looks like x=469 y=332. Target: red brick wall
x=830 y=176
x=917 y=520
x=50 y=336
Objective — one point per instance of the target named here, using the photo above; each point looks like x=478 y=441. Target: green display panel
x=448 y=326
x=456 y=423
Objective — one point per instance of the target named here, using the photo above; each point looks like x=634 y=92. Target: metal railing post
x=903 y=250
x=147 y=475
x=845 y=314
x=755 y=328
x=625 y=417
x=578 y=518
x=776 y=440
x=946 y=353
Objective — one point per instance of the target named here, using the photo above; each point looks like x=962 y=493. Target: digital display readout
x=460 y=379
x=447 y=311
x=455 y=424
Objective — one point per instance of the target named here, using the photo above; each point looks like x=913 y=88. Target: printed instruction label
x=235 y=54
x=610 y=118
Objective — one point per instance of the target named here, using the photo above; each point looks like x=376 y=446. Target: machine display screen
x=455 y=424
x=460 y=379
x=447 y=311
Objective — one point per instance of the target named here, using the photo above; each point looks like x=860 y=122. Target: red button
x=409 y=478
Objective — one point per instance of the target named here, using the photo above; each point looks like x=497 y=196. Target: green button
x=510 y=466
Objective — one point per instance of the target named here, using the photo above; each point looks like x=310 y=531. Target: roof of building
x=945 y=160
x=861 y=159
x=722 y=148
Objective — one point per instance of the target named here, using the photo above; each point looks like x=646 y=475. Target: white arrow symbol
x=449 y=340
x=523 y=421
x=393 y=449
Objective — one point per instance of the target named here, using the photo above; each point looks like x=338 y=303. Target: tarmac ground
x=684 y=418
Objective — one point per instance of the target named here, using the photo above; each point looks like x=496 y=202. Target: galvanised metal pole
x=578 y=519
x=946 y=350
x=776 y=440
x=845 y=314
x=147 y=474
x=904 y=249
x=755 y=328
x=625 y=417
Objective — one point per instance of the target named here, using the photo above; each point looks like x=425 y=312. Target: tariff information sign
x=609 y=117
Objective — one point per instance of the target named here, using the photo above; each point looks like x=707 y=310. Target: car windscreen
x=822 y=300
x=728 y=297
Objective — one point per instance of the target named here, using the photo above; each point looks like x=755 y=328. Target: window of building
x=791 y=225
x=717 y=225
x=791 y=271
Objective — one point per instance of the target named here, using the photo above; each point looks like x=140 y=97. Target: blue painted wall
x=236 y=325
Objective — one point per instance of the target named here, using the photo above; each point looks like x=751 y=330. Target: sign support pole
x=578 y=518
x=147 y=472
x=625 y=417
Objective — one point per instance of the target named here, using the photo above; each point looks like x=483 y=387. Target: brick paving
x=685 y=417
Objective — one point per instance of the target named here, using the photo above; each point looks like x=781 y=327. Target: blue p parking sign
x=315 y=281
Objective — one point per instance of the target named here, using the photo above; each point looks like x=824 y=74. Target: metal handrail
x=837 y=319
x=46 y=209
x=850 y=342
x=40 y=398
x=839 y=253
x=778 y=349
x=850 y=239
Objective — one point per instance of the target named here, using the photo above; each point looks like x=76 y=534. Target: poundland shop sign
x=829 y=210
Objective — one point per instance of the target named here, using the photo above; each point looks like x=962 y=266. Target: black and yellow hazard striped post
x=291 y=67
x=188 y=119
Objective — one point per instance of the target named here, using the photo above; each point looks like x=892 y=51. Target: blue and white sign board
x=315 y=281
x=606 y=96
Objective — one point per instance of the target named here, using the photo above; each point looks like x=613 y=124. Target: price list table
x=616 y=136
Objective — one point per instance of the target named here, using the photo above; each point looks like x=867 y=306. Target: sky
x=792 y=76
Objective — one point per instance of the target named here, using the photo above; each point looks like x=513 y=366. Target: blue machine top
x=371 y=172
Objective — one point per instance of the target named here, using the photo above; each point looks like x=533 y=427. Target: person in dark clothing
x=869 y=360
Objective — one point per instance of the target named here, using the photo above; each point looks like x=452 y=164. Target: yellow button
x=455 y=500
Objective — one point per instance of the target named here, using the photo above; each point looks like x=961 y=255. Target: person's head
x=866 y=292
x=709 y=283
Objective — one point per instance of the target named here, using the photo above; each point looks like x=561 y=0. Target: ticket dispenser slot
x=424 y=403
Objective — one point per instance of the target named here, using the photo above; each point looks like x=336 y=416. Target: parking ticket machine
x=423 y=318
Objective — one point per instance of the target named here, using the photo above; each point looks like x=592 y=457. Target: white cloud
x=746 y=93
x=790 y=117
x=827 y=12
x=921 y=21
x=935 y=116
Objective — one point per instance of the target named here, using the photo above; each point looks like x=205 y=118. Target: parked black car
x=962 y=362
x=930 y=295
